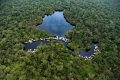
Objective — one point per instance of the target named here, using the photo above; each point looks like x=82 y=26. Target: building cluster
x=32 y=50
x=30 y=41
x=56 y=38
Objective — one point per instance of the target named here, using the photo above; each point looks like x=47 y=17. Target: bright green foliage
x=97 y=20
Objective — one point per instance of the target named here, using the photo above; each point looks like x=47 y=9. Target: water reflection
x=55 y=24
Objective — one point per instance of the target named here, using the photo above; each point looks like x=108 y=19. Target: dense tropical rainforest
x=94 y=20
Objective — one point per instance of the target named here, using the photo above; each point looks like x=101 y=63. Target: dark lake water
x=32 y=45
x=89 y=52
x=55 y=24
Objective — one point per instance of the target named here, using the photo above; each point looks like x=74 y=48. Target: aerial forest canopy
x=93 y=20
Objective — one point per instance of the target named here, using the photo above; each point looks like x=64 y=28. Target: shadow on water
x=32 y=46
x=89 y=52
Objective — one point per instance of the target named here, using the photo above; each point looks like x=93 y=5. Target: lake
x=90 y=52
x=32 y=45
x=55 y=24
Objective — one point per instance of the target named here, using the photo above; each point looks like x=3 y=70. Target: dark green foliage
x=97 y=20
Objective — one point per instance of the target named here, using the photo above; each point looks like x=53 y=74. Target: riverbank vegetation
x=94 y=20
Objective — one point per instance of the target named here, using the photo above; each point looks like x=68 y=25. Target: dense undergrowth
x=94 y=20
